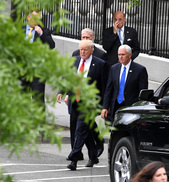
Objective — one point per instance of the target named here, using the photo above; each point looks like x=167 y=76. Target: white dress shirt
x=121 y=35
x=127 y=70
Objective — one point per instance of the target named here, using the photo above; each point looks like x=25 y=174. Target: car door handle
x=166 y=118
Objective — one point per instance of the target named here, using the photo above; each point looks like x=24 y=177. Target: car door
x=154 y=130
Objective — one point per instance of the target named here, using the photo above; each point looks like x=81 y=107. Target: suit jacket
x=97 y=53
x=111 y=43
x=137 y=79
x=45 y=37
x=165 y=101
x=97 y=72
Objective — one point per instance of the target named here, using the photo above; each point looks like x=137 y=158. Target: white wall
x=157 y=67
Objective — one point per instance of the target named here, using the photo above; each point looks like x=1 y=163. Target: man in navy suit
x=88 y=34
x=95 y=68
x=45 y=36
x=117 y=35
x=135 y=79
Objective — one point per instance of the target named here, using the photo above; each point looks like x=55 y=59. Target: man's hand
x=115 y=29
x=66 y=99
x=38 y=30
x=59 y=98
x=104 y=113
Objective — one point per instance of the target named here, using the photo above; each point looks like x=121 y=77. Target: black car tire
x=123 y=163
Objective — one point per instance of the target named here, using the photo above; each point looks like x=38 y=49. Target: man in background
x=88 y=34
x=33 y=31
x=117 y=35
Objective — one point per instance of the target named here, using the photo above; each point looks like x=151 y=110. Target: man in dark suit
x=126 y=80
x=164 y=101
x=117 y=35
x=88 y=34
x=34 y=31
x=95 y=68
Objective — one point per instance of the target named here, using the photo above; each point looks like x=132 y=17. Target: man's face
x=120 y=19
x=85 y=52
x=33 y=19
x=87 y=36
x=124 y=57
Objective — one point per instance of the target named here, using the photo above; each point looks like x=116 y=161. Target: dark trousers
x=83 y=135
x=36 y=86
x=73 y=123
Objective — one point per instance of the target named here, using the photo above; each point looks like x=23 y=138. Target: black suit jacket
x=97 y=53
x=45 y=37
x=111 y=43
x=97 y=72
x=137 y=79
x=165 y=101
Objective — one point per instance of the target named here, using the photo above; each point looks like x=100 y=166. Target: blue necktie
x=121 y=88
x=120 y=37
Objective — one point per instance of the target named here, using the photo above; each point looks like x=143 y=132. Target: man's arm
x=164 y=101
x=109 y=39
x=47 y=38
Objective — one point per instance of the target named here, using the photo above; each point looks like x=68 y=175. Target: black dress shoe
x=72 y=166
x=100 y=148
x=92 y=162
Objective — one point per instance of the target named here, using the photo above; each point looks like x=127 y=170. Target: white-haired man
x=126 y=80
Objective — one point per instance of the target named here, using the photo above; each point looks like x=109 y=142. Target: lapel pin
x=130 y=71
x=93 y=64
x=127 y=31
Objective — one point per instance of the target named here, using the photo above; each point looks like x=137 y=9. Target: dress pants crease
x=83 y=136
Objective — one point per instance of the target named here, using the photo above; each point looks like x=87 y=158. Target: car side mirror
x=146 y=95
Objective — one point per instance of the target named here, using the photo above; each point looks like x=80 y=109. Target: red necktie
x=81 y=69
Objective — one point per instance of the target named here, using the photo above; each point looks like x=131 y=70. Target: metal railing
x=150 y=19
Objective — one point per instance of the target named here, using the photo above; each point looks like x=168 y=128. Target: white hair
x=88 y=30
x=127 y=47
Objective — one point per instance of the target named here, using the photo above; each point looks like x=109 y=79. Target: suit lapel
x=118 y=75
x=35 y=36
x=130 y=73
x=92 y=67
x=77 y=62
x=126 y=34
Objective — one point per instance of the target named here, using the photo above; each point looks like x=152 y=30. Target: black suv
x=140 y=135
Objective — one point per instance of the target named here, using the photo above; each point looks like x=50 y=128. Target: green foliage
x=5 y=178
x=23 y=119
x=132 y=3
